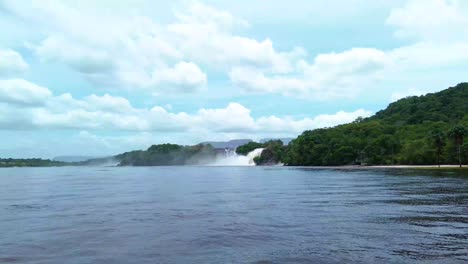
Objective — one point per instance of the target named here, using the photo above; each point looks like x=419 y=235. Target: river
x=232 y=215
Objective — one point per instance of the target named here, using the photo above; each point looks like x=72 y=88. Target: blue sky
x=103 y=77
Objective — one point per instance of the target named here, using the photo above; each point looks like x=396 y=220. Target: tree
x=246 y=148
x=359 y=119
x=438 y=141
x=458 y=134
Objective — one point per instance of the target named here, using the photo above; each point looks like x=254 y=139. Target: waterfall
x=233 y=159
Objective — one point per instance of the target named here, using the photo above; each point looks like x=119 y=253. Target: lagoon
x=232 y=215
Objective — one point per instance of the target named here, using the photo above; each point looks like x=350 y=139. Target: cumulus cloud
x=132 y=49
x=83 y=59
x=440 y=20
x=329 y=76
x=142 y=53
x=183 y=74
x=325 y=120
x=112 y=50
x=18 y=91
x=11 y=63
x=439 y=28
x=37 y=107
x=201 y=14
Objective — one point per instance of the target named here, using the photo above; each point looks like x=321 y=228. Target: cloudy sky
x=101 y=77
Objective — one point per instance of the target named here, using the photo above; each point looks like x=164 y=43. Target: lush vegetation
x=249 y=147
x=167 y=155
x=273 y=153
x=414 y=131
x=156 y=155
x=30 y=163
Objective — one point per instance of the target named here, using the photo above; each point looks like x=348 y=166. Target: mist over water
x=233 y=159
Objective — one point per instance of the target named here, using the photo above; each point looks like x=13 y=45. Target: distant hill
x=73 y=158
x=239 y=142
x=284 y=140
x=227 y=144
x=399 y=134
x=168 y=155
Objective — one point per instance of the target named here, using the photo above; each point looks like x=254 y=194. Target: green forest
x=167 y=155
x=417 y=130
x=30 y=163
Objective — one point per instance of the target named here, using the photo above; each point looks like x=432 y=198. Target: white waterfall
x=238 y=160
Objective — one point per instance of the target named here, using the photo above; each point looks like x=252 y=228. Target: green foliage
x=273 y=152
x=437 y=139
x=31 y=163
x=246 y=148
x=396 y=135
x=458 y=133
x=167 y=155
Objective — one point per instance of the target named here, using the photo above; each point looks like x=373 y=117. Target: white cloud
x=18 y=91
x=11 y=62
x=110 y=49
x=201 y=14
x=439 y=20
x=42 y=110
x=254 y=80
x=325 y=120
x=183 y=74
x=206 y=35
x=235 y=117
x=440 y=28
x=108 y=103
x=329 y=76
x=79 y=57
x=430 y=55
x=139 y=52
x=127 y=46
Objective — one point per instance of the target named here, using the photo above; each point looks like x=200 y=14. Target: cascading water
x=233 y=159
x=253 y=154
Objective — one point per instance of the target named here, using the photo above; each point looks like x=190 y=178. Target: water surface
x=232 y=215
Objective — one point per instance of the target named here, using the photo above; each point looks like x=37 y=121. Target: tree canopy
x=411 y=131
x=395 y=135
x=166 y=155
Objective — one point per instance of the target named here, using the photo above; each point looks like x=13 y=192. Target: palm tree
x=438 y=141
x=458 y=133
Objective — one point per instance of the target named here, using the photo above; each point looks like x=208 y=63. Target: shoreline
x=421 y=166
x=361 y=167
x=442 y=167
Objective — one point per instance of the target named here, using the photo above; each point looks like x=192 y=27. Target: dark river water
x=232 y=215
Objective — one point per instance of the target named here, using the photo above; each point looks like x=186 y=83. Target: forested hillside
x=414 y=131
x=167 y=155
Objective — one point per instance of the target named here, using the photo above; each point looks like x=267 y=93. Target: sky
x=103 y=77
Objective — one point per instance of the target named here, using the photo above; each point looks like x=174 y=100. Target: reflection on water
x=232 y=214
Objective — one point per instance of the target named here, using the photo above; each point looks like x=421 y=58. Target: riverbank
x=419 y=166
x=355 y=167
